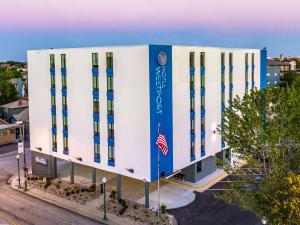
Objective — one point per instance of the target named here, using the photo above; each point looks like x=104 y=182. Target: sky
x=36 y=24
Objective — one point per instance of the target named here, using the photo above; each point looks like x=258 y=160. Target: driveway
x=206 y=210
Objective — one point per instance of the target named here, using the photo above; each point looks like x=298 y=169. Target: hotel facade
x=101 y=107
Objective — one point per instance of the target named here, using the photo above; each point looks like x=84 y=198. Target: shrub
x=163 y=208
x=92 y=188
x=47 y=184
x=121 y=211
x=77 y=191
x=135 y=206
x=113 y=194
x=57 y=186
x=67 y=193
x=72 y=192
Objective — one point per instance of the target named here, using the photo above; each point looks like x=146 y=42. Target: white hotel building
x=101 y=106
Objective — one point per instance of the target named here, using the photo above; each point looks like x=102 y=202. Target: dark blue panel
x=247 y=68
x=253 y=67
x=222 y=107
x=247 y=84
x=192 y=93
x=202 y=153
x=96 y=117
x=96 y=95
x=202 y=112
x=109 y=72
x=54 y=130
x=230 y=68
x=110 y=95
x=63 y=71
x=193 y=157
x=111 y=163
x=65 y=112
x=66 y=151
x=53 y=111
x=263 y=68
x=223 y=88
x=95 y=72
x=52 y=91
x=65 y=133
x=160 y=80
x=64 y=92
x=111 y=142
x=54 y=149
x=96 y=139
x=230 y=87
x=202 y=91
x=52 y=71
x=192 y=115
x=192 y=137
x=192 y=70
x=223 y=145
x=110 y=118
x=222 y=69
x=202 y=70
x=97 y=159
x=203 y=134
x=253 y=84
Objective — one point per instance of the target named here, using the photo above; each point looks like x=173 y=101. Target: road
x=18 y=208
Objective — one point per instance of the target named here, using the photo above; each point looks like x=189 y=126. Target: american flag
x=162 y=144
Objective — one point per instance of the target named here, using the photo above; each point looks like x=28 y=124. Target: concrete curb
x=8 y=154
x=75 y=207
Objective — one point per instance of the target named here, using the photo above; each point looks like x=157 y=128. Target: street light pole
x=21 y=125
x=104 y=180
x=19 y=179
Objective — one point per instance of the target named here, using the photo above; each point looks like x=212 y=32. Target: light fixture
x=39 y=148
x=130 y=170
x=104 y=180
x=79 y=159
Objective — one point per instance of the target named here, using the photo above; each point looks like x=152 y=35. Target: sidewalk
x=201 y=185
x=88 y=210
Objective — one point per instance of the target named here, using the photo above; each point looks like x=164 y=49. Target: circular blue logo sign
x=162 y=58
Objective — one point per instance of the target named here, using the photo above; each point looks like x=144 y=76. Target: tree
x=8 y=92
x=263 y=130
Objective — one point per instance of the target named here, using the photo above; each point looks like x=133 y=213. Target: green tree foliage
x=263 y=130
x=8 y=92
x=289 y=78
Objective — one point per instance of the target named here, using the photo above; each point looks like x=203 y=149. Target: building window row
x=64 y=103
x=230 y=79
x=202 y=85
x=96 y=113
x=53 y=103
x=222 y=97
x=246 y=72
x=192 y=106
x=252 y=70
x=110 y=109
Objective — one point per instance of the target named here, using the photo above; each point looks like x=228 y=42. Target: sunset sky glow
x=34 y=24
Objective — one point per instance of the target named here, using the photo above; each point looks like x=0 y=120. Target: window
x=53 y=104
x=65 y=143
x=268 y=74
x=96 y=128
x=192 y=149
x=95 y=60
x=97 y=150
x=96 y=105
x=95 y=83
x=199 y=167
x=63 y=60
x=12 y=131
x=222 y=95
x=65 y=123
x=110 y=107
x=252 y=69
x=53 y=118
x=64 y=102
x=110 y=84
x=52 y=81
x=109 y=60
x=230 y=77
x=110 y=130
x=52 y=61
x=111 y=154
x=64 y=82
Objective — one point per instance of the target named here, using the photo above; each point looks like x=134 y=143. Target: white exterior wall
x=131 y=107
x=181 y=97
x=131 y=103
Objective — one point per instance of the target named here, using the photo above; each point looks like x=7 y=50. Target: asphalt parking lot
x=207 y=210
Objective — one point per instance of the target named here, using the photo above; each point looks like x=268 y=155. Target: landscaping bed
x=64 y=189
x=136 y=212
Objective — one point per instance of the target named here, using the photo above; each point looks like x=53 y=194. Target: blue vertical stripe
x=263 y=68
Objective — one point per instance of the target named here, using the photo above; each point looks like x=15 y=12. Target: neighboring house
x=24 y=117
x=7 y=132
x=4 y=65
x=284 y=66
x=11 y=109
x=273 y=76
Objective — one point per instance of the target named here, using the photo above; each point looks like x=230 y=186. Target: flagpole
x=158 y=171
